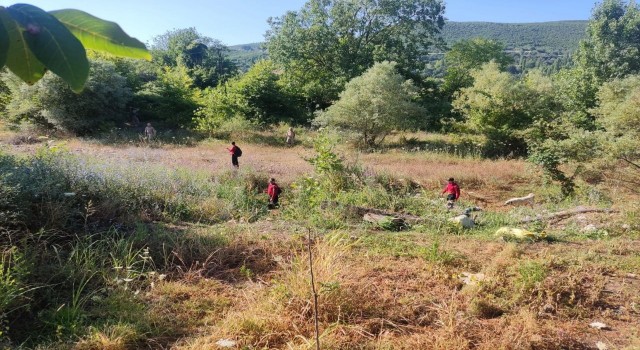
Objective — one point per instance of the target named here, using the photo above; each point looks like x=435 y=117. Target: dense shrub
x=51 y=103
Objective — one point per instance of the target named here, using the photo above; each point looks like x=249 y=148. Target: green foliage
x=39 y=41
x=257 y=95
x=100 y=35
x=530 y=273
x=466 y=55
x=171 y=98
x=560 y=36
x=618 y=113
x=374 y=104
x=495 y=106
x=329 y=42
x=50 y=102
x=14 y=273
x=203 y=57
x=611 y=48
x=436 y=254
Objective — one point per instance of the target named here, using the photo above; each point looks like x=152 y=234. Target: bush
x=374 y=104
x=51 y=103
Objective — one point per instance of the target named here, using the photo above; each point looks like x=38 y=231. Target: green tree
x=51 y=103
x=374 y=104
x=171 y=98
x=498 y=106
x=466 y=55
x=257 y=95
x=329 y=42
x=611 y=48
x=618 y=114
x=203 y=57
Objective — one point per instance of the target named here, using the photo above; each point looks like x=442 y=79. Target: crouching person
x=274 y=193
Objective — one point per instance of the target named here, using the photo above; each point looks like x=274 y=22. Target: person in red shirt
x=234 y=150
x=274 y=193
x=453 y=192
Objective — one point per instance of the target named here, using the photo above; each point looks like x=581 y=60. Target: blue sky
x=245 y=21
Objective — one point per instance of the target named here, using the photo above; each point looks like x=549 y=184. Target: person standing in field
x=453 y=192
x=291 y=137
x=235 y=152
x=149 y=132
x=273 y=190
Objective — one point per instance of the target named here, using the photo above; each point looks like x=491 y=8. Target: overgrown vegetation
x=116 y=242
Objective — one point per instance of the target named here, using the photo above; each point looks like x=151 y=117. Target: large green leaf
x=4 y=41
x=101 y=35
x=53 y=44
x=19 y=59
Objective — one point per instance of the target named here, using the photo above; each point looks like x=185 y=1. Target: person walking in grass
x=149 y=132
x=273 y=190
x=291 y=137
x=235 y=152
x=453 y=192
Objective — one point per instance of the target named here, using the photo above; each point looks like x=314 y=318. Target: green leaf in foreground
x=19 y=58
x=98 y=34
x=53 y=44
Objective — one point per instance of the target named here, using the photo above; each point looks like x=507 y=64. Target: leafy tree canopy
x=374 y=104
x=612 y=46
x=343 y=38
x=203 y=57
x=471 y=54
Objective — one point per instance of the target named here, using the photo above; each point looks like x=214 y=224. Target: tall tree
x=329 y=42
x=203 y=57
x=612 y=46
x=466 y=55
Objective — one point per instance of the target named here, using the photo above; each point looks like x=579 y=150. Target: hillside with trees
x=543 y=44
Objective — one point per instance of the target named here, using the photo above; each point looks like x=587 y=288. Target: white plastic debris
x=226 y=343
x=463 y=221
x=598 y=325
x=601 y=346
x=472 y=278
x=519 y=233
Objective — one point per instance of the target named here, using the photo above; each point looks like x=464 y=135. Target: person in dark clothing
x=235 y=153
x=273 y=190
x=453 y=192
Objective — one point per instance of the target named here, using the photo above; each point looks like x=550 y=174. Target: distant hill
x=545 y=44
x=552 y=36
x=246 y=55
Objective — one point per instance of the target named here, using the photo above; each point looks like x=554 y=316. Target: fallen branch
x=566 y=213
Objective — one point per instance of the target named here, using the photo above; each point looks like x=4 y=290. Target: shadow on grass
x=465 y=148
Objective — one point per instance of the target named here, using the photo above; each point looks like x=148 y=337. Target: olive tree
x=374 y=104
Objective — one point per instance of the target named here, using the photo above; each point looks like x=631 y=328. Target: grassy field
x=127 y=245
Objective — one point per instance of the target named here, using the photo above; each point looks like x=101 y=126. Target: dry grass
x=253 y=285
x=386 y=302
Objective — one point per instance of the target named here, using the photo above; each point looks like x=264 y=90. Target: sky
x=245 y=21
